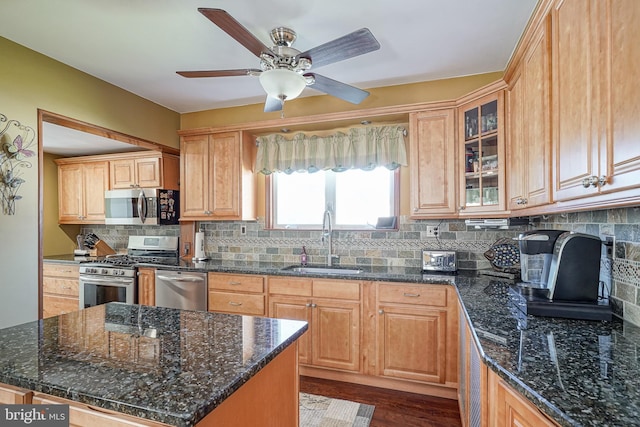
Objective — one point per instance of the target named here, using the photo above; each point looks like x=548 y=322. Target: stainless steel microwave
x=142 y=206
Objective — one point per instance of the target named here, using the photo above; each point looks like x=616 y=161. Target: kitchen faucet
x=327 y=232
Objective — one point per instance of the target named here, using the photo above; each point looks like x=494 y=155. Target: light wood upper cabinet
x=147 y=170
x=432 y=163
x=529 y=126
x=216 y=177
x=81 y=188
x=482 y=154
x=596 y=53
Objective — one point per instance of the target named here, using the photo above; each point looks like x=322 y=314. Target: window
x=355 y=197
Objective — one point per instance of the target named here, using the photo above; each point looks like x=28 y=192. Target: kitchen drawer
x=60 y=270
x=10 y=395
x=53 y=305
x=290 y=286
x=431 y=295
x=236 y=282
x=340 y=289
x=236 y=303
x=60 y=286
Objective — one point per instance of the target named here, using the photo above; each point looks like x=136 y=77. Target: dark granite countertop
x=580 y=373
x=188 y=363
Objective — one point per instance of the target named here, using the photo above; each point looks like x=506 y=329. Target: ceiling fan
x=284 y=71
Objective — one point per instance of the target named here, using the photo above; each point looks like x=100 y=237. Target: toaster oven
x=439 y=261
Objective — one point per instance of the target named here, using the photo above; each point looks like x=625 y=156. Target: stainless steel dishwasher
x=181 y=289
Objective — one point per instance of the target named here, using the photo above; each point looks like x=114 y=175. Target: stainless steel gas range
x=113 y=279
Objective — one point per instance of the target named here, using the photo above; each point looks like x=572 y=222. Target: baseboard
x=444 y=391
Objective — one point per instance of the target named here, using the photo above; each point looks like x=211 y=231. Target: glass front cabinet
x=481 y=134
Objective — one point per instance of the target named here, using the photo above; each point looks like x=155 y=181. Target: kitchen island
x=177 y=367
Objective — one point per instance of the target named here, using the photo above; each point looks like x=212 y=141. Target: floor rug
x=320 y=411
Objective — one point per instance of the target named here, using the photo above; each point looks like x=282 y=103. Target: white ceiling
x=138 y=45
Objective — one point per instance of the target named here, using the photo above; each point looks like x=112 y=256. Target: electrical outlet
x=432 y=231
x=243 y=230
x=609 y=246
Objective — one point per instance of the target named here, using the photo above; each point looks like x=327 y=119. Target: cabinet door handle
x=380 y=311
x=313 y=305
x=235 y=304
x=406 y=294
x=235 y=283
x=308 y=305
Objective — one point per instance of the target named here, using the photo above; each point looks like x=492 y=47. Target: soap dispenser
x=303 y=256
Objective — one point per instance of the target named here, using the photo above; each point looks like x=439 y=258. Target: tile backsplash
x=249 y=241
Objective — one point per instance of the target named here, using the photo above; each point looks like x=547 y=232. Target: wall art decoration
x=15 y=141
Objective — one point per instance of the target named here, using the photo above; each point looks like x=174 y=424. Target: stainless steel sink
x=323 y=270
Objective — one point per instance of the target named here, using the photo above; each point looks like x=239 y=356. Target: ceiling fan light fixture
x=282 y=84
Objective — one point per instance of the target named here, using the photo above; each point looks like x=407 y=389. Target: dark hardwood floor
x=393 y=408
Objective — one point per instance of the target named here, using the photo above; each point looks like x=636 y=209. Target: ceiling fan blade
x=220 y=73
x=235 y=29
x=338 y=89
x=357 y=43
x=272 y=104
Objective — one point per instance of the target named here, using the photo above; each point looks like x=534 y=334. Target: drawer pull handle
x=381 y=311
x=235 y=283
x=235 y=304
x=411 y=295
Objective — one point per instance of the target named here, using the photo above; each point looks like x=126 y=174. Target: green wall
x=30 y=81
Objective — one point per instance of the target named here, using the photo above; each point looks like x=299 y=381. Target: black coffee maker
x=561 y=275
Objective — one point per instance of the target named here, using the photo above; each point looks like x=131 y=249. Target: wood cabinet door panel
x=575 y=129
x=401 y=354
x=336 y=335
x=69 y=193
x=294 y=309
x=537 y=120
x=516 y=147
x=194 y=173
x=95 y=183
x=224 y=175
x=148 y=172
x=147 y=286
x=53 y=305
x=623 y=148
x=507 y=408
x=432 y=161
x=122 y=173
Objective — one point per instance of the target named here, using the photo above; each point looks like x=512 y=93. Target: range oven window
x=103 y=284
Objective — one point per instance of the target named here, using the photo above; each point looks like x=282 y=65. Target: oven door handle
x=180 y=279
x=92 y=279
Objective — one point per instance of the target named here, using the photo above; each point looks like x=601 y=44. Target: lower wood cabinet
x=416 y=333
x=59 y=288
x=508 y=408
x=333 y=310
x=10 y=395
x=147 y=286
x=237 y=294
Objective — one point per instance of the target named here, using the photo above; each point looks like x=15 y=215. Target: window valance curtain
x=358 y=148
